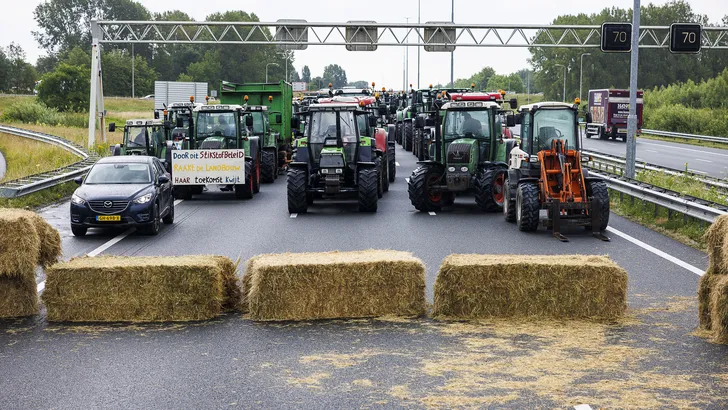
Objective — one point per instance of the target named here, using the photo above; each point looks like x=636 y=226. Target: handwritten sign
x=201 y=167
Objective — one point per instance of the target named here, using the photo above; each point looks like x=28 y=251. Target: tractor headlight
x=464 y=169
x=451 y=169
x=143 y=199
x=77 y=200
x=339 y=171
x=324 y=171
x=534 y=158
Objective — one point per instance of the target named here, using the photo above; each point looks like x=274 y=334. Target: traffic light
x=685 y=37
x=617 y=37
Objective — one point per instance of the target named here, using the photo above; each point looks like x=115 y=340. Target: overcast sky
x=385 y=66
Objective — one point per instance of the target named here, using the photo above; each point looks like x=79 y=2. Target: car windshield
x=119 y=173
x=216 y=123
x=553 y=124
x=323 y=125
x=459 y=124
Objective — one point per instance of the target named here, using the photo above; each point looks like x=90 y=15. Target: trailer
x=167 y=93
x=607 y=113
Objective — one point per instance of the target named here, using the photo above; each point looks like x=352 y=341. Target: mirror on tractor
x=163 y=179
x=419 y=122
x=513 y=103
x=248 y=120
x=279 y=119
x=518 y=119
x=112 y=127
x=429 y=122
x=180 y=122
x=372 y=121
x=295 y=123
x=156 y=115
x=510 y=120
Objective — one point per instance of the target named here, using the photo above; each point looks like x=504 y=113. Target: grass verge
x=27 y=157
x=685 y=141
x=684 y=184
x=40 y=198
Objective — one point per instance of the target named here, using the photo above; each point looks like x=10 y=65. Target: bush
x=31 y=112
x=66 y=89
x=678 y=118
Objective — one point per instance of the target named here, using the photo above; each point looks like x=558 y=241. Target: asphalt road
x=652 y=360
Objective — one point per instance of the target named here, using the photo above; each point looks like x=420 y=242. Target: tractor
x=174 y=111
x=269 y=163
x=145 y=137
x=223 y=127
x=545 y=174
x=468 y=155
x=332 y=159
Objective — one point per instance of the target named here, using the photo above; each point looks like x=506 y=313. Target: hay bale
x=713 y=293
x=553 y=286
x=716 y=238
x=140 y=289
x=329 y=285
x=19 y=244
x=50 y=240
x=18 y=296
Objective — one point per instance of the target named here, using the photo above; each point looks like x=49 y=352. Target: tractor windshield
x=221 y=124
x=136 y=137
x=362 y=122
x=467 y=124
x=554 y=124
x=258 y=127
x=323 y=126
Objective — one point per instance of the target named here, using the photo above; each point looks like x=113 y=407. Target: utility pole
x=563 y=96
x=419 y=2
x=581 y=72
x=632 y=117
x=132 y=70
x=452 y=53
x=528 y=87
x=406 y=59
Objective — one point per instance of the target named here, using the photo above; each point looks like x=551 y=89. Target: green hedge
x=32 y=112
x=678 y=118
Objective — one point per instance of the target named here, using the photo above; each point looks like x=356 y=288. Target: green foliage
x=317 y=83
x=66 y=89
x=4 y=70
x=19 y=76
x=306 y=74
x=117 y=74
x=40 y=198
x=333 y=73
x=678 y=118
x=510 y=82
x=33 y=112
x=358 y=84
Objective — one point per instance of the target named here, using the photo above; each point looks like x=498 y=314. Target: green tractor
x=214 y=127
x=261 y=129
x=145 y=137
x=171 y=113
x=469 y=154
x=332 y=159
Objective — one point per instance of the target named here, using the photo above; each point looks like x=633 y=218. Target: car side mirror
x=372 y=121
x=112 y=127
x=78 y=180
x=419 y=122
x=279 y=119
x=180 y=123
x=248 y=120
x=163 y=179
x=510 y=120
x=514 y=103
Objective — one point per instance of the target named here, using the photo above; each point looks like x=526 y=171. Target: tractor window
x=526 y=132
x=259 y=122
x=361 y=121
x=220 y=124
x=550 y=125
x=173 y=115
x=460 y=124
x=136 y=137
x=323 y=125
x=348 y=127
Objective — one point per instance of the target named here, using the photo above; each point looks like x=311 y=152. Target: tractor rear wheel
x=420 y=188
x=398 y=133
x=367 y=181
x=297 y=186
x=269 y=167
x=509 y=205
x=392 y=172
x=421 y=154
x=245 y=191
x=256 y=177
x=407 y=140
x=599 y=192
x=380 y=178
x=489 y=187
x=385 y=175
x=527 y=207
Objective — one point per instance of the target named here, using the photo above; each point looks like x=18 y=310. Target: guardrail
x=34 y=183
x=705 y=138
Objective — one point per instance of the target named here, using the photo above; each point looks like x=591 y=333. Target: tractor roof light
x=472 y=85
x=331 y=85
x=577 y=100
x=430 y=86
x=192 y=98
x=374 y=84
x=502 y=92
x=270 y=98
x=245 y=98
x=384 y=89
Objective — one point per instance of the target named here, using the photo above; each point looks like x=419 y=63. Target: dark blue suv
x=123 y=191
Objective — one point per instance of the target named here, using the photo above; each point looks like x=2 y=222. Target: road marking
x=697 y=172
x=658 y=252
x=396 y=163
x=703 y=160
x=432 y=213
x=406 y=180
x=582 y=407
x=653 y=151
x=640 y=159
x=41 y=286
x=294 y=216
x=685 y=149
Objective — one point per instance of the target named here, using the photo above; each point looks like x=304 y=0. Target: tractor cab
x=179 y=114
x=145 y=137
x=219 y=127
x=261 y=123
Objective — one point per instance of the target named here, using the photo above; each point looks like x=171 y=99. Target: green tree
x=117 y=74
x=21 y=75
x=306 y=74
x=46 y=64
x=317 y=83
x=4 y=71
x=358 y=84
x=66 y=89
x=206 y=70
x=171 y=60
x=334 y=74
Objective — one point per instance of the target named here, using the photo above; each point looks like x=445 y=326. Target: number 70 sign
x=685 y=38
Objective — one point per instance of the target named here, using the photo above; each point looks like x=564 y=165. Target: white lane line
x=107 y=245
x=652 y=151
x=432 y=213
x=658 y=252
x=396 y=163
x=697 y=172
x=685 y=149
x=294 y=216
x=406 y=180
x=703 y=160
x=582 y=407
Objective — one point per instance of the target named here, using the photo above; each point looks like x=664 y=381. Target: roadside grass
x=524 y=99
x=684 y=184
x=675 y=225
x=27 y=157
x=685 y=141
x=40 y=198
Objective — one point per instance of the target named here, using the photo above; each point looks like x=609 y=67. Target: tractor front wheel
x=297 y=186
x=269 y=166
x=509 y=206
x=245 y=191
x=368 y=181
x=527 y=207
x=407 y=140
x=392 y=172
x=599 y=193
x=420 y=188
x=380 y=178
x=489 y=188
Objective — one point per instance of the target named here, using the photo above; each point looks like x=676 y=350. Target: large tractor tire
x=385 y=175
x=408 y=136
x=509 y=204
x=256 y=177
x=423 y=177
x=599 y=192
x=367 y=181
x=398 y=134
x=489 y=188
x=527 y=207
x=421 y=154
x=269 y=166
x=297 y=185
x=183 y=192
x=392 y=174
x=380 y=178
x=245 y=191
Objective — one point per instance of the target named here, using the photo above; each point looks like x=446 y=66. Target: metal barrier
x=34 y=183
x=705 y=138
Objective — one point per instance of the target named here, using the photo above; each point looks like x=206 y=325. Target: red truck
x=608 y=111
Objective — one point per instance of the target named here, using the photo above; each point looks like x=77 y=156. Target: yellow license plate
x=108 y=218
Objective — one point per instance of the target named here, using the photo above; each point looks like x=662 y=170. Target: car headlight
x=77 y=200
x=143 y=199
x=464 y=169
